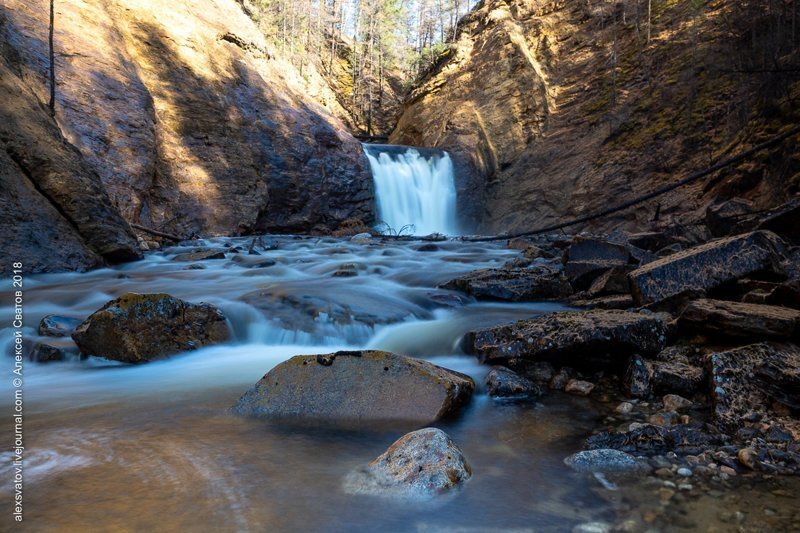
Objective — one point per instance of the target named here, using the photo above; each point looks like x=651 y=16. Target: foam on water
x=414 y=189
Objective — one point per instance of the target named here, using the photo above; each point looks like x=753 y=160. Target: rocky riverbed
x=675 y=385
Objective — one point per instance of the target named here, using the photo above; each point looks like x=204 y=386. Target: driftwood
x=372 y=138
x=658 y=192
x=157 y=233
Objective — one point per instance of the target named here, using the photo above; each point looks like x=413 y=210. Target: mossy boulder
x=358 y=386
x=136 y=328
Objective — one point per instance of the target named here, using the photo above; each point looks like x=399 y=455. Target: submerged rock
x=420 y=465
x=136 y=328
x=357 y=387
x=706 y=267
x=579 y=336
x=58 y=326
x=42 y=352
x=604 y=461
x=516 y=285
x=741 y=319
x=504 y=383
x=200 y=255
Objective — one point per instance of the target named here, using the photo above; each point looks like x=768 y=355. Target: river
x=154 y=447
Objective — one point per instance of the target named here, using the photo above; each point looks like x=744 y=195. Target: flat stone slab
x=738 y=319
x=515 y=285
x=357 y=386
x=706 y=267
x=568 y=334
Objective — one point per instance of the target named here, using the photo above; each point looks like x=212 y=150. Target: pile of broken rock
x=696 y=340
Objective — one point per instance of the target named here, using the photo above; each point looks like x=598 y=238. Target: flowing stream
x=154 y=447
x=414 y=188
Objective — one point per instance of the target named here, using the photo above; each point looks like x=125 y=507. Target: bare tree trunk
x=649 y=18
x=52 y=103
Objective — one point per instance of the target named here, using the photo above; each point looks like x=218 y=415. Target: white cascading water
x=414 y=190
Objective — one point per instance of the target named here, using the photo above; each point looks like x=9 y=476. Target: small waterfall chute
x=414 y=188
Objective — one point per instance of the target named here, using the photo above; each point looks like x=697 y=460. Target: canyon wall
x=191 y=124
x=559 y=109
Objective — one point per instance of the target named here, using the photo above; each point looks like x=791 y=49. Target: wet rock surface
x=707 y=266
x=746 y=380
x=504 y=383
x=576 y=336
x=136 y=328
x=605 y=461
x=58 y=326
x=200 y=255
x=541 y=282
x=420 y=465
x=354 y=387
x=588 y=259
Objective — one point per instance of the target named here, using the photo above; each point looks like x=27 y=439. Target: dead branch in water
x=157 y=233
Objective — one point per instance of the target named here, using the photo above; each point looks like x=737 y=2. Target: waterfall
x=414 y=186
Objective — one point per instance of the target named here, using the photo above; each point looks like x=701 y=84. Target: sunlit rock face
x=54 y=211
x=188 y=120
x=526 y=99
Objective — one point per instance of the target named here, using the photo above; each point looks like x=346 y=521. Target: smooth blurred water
x=414 y=190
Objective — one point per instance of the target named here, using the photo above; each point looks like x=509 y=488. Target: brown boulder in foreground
x=357 y=386
x=419 y=465
x=707 y=266
x=136 y=328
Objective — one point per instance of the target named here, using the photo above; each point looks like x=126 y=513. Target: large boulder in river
x=746 y=380
x=577 y=337
x=136 y=328
x=419 y=465
x=738 y=319
x=357 y=386
x=706 y=267
x=540 y=282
